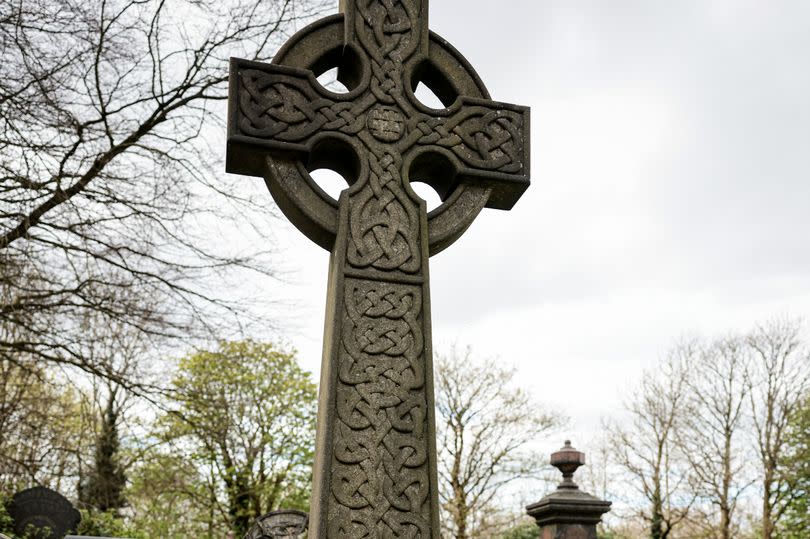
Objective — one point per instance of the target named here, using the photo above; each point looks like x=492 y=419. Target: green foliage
x=245 y=422
x=106 y=524
x=104 y=486
x=171 y=497
x=528 y=530
x=42 y=427
x=5 y=518
x=795 y=521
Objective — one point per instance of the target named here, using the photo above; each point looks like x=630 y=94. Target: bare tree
x=714 y=427
x=486 y=425
x=599 y=476
x=778 y=379
x=645 y=446
x=109 y=171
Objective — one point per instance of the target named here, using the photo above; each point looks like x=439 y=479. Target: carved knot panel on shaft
x=375 y=473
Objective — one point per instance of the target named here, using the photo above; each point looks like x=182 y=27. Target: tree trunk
x=724 y=523
x=461 y=512
x=459 y=498
x=767 y=525
x=725 y=506
x=657 y=524
x=239 y=498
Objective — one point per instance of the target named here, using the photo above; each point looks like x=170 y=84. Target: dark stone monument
x=285 y=524
x=375 y=469
x=568 y=513
x=44 y=510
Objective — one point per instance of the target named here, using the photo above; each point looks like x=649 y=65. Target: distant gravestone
x=45 y=512
x=289 y=524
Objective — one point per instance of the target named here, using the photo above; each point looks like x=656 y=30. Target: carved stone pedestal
x=568 y=513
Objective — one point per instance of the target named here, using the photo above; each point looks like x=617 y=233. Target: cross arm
x=279 y=109
x=487 y=140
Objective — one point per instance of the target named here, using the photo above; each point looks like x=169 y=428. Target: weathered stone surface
x=284 y=524
x=568 y=512
x=44 y=510
x=375 y=472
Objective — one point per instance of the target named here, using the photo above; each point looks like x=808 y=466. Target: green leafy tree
x=526 y=530
x=42 y=425
x=5 y=518
x=104 y=486
x=171 y=499
x=106 y=524
x=245 y=417
x=795 y=521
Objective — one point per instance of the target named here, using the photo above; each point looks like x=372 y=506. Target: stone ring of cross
x=474 y=152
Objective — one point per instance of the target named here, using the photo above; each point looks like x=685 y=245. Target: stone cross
x=375 y=470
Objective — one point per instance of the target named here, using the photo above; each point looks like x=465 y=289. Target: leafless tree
x=599 y=476
x=110 y=174
x=645 y=445
x=486 y=424
x=713 y=433
x=778 y=379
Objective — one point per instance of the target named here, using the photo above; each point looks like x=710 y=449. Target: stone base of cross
x=375 y=471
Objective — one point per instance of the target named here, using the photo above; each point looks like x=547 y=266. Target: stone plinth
x=568 y=512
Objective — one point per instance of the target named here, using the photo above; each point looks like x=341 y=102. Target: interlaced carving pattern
x=288 y=109
x=385 y=228
x=380 y=477
x=380 y=482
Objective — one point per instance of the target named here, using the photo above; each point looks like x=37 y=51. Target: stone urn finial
x=568 y=460
x=568 y=512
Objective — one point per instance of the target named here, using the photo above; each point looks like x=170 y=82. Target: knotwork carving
x=380 y=478
x=390 y=33
x=289 y=109
x=284 y=106
x=482 y=137
x=375 y=467
x=383 y=221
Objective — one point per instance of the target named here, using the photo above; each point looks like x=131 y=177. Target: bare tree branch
x=110 y=176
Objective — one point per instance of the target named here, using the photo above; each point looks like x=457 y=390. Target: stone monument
x=375 y=466
x=43 y=511
x=568 y=512
x=283 y=524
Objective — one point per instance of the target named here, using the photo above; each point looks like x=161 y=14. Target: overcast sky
x=670 y=191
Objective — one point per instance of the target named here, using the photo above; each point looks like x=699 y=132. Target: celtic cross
x=375 y=469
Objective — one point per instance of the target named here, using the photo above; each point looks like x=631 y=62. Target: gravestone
x=43 y=510
x=568 y=512
x=375 y=465
x=283 y=524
